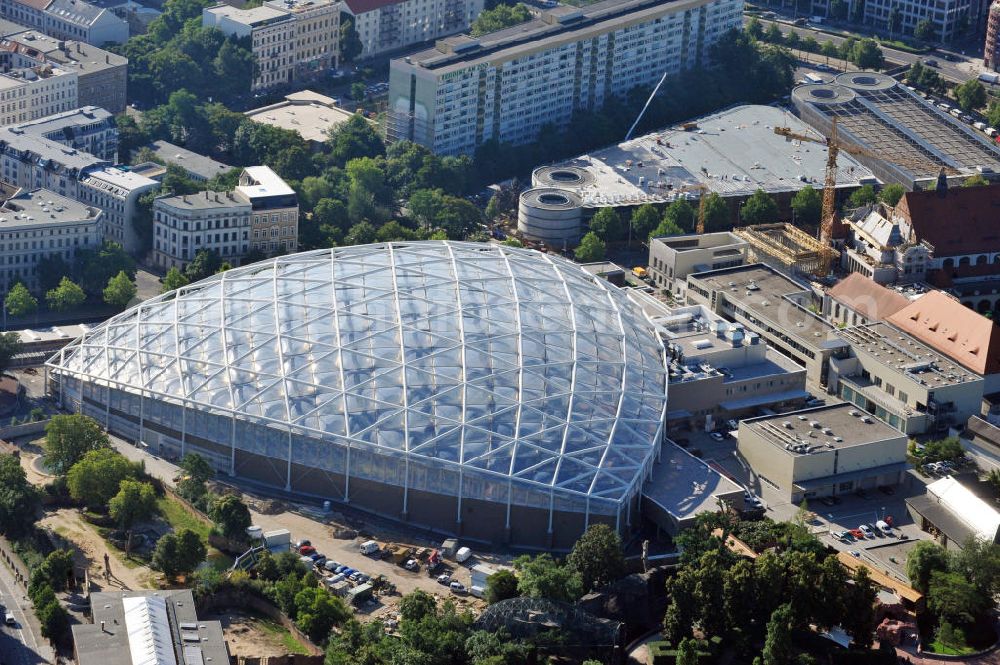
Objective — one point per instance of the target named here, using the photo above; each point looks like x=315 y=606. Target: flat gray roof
x=204 y=201
x=43 y=206
x=733 y=152
x=309 y=113
x=766 y=293
x=81 y=117
x=693 y=241
x=900 y=352
x=823 y=428
x=46 y=149
x=200 y=165
x=684 y=486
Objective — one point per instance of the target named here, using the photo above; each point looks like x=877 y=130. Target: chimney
x=107 y=58
x=942 y=184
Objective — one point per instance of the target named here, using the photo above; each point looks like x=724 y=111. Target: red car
x=857 y=534
x=306 y=550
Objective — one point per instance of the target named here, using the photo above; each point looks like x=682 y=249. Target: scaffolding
x=787 y=247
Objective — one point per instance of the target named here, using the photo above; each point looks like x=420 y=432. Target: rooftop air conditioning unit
x=815 y=424
x=855 y=413
x=787 y=424
x=801 y=417
x=867 y=420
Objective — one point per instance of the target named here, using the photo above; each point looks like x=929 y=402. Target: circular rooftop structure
x=495 y=392
x=866 y=81
x=568 y=177
x=550 y=214
x=823 y=94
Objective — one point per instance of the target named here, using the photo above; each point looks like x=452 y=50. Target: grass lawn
x=938 y=647
x=179 y=518
x=287 y=639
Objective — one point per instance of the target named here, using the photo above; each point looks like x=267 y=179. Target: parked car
x=318 y=560
x=732 y=424
x=828 y=501
x=457 y=588
x=331 y=565
x=857 y=533
x=884 y=527
x=876 y=530
x=843 y=535
x=856 y=554
x=867 y=530
x=751 y=500
x=306 y=560
x=717 y=436
x=8 y=618
x=307 y=550
x=299 y=544
x=444 y=579
x=412 y=564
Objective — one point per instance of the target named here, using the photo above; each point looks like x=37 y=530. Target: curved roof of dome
x=505 y=360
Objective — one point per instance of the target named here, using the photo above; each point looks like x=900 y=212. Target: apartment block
x=509 y=84
x=292 y=40
x=38 y=223
x=35 y=92
x=34 y=162
x=184 y=225
x=88 y=129
x=387 y=25
x=947 y=16
x=68 y=19
x=275 y=210
x=101 y=76
x=116 y=192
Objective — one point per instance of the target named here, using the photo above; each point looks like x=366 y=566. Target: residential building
x=27 y=93
x=824 y=451
x=39 y=223
x=213 y=221
x=291 y=40
x=719 y=371
x=101 y=75
x=275 y=218
x=903 y=382
x=389 y=25
x=949 y=18
x=68 y=19
x=34 y=162
x=197 y=167
x=149 y=627
x=77 y=19
x=944 y=324
x=87 y=129
x=673 y=258
x=116 y=192
x=316 y=42
x=857 y=300
x=954 y=514
x=731 y=153
x=509 y=84
x=309 y=113
x=991 y=52
x=780 y=309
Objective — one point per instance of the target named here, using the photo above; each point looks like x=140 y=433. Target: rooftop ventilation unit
x=787 y=424
x=855 y=413
x=801 y=417
x=867 y=420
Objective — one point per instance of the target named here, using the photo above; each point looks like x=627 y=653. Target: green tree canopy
x=867 y=54
x=542 y=576
x=680 y=215
x=19 y=301
x=807 y=205
x=318 y=611
x=971 y=95
x=231 y=516
x=96 y=477
x=645 y=218
x=976 y=180
x=862 y=196
x=891 y=193
x=350 y=42
x=590 y=249
x=607 y=224
x=925 y=31
x=353 y=139
x=778 y=643
x=134 y=503
x=174 y=279
x=179 y=553
x=500 y=17
x=760 y=208
x=205 y=264
x=68 y=438
x=19 y=500
x=598 y=556
x=10 y=346
x=501 y=585
x=120 y=290
x=951 y=597
x=66 y=296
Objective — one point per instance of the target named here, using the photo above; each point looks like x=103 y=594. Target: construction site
x=786 y=247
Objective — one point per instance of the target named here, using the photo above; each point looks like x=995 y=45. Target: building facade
x=388 y=25
x=37 y=224
x=275 y=210
x=88 y=129
x=35 y=92
x=824 y=451
x=183 y=225
x=673 y=258
x=509 y=84
x=116 y=192
x=947 y=16
x=34 y=162
x=991 y=52
x=77 y=19
x=316 y=42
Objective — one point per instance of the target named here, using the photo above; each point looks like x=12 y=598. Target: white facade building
x=387 y=25
x=214 y=221
x=68 y=19
x=116 y=192
x=39 y=223
x=35 y=92
x=507 y=85
x=316 y=40
x=90 y=129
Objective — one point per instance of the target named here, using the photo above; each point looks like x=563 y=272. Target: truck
x=369 y=547
x=989 y=77
x=449 y=547
x=463 y=554
x=360 y=594
x=400 y=554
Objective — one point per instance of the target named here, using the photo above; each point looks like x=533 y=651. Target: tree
x=10 y=346
x=866 y=54
x=19 y=500
x=976 y=180
x=829 y=50
x=318 y=611
x=361 y=233
x=19 y=301
x=680 y=215
x=95 y=267
x=135 y=502
x=754 y=28
x=174 y=279
x=922 y=561
x=859 y=609
x=862 y=196
x=666 y=228
x=971 y=95
x=773 y=34
x=953 y=598
x=500 y=17
x=350 y=42
x=358 y=91
x=231 y=516
x=891 y=193
x=606 y=224
x=95 y=479
x=53 y=573
x=644 y=220
x=807 y=204
x=778 y=643
x=179 y=554
x=895 y=21
x=501 y=585
x=353 y=139
x=760 y=208
x=68 y=438
x=590 y=249
x=979 y=562
x=716 y=212
x=542 y=577
x=66 y=296
x=120 y=290
x=197 y=468
x=993 y=114
x=687 y=652
x=925 y=31
x=598 y=556
x=53 y=618
x=205 y=264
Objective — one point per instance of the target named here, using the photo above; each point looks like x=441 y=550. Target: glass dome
x=503 y=361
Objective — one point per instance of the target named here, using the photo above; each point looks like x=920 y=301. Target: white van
x=369 y=547
x=884 y=527
x=463 y=554
x=477 y=591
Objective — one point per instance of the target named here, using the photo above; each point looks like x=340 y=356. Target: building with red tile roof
x=857 y=299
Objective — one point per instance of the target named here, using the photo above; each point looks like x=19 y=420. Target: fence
x=24 y=429
x=13 y=561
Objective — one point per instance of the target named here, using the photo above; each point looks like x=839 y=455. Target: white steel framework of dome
x=472 y=388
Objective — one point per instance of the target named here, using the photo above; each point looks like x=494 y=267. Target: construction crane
x=703 y=191
x=834 y=146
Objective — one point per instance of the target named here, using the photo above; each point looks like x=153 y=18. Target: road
x=20 y=644
x=952 y=71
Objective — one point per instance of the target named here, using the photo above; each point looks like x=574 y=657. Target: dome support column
x=288 y=469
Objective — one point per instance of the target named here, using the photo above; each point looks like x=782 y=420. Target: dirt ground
x=256 y=637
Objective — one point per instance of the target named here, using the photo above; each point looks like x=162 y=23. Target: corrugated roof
x=950 y=327
x=865 y=296
x=149 y=638
x=981 y=518
x=961 y=220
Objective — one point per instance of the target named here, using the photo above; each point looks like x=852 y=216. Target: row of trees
x=865 y=53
